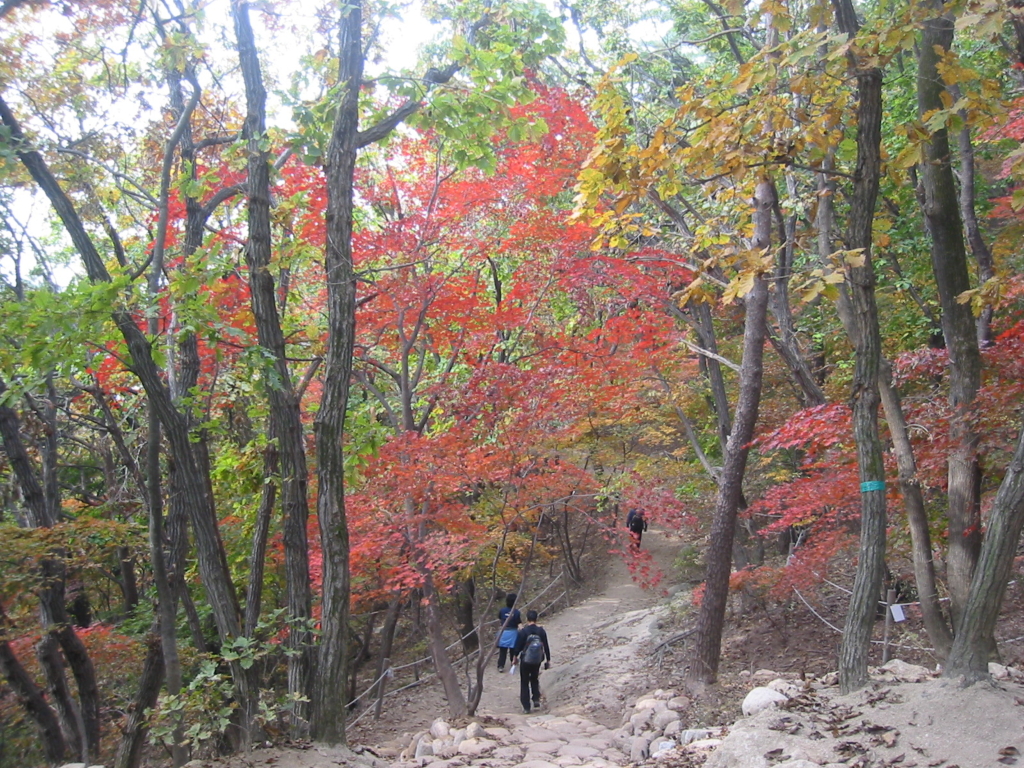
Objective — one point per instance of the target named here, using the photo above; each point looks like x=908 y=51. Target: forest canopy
x=308 y=360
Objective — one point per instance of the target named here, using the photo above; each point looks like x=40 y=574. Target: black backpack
x=533 y=653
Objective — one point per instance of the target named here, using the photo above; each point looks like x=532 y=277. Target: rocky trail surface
x=607 y=703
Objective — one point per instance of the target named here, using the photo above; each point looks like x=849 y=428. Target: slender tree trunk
x=212 y=561
x=917 y=516
x=464 y=604
x=328 y=722
x=710 y=622
x=949 y=264
x=713 y=370
x=70 y=716
x=129 y=581
x=786 y=343
x=853 y=655
x=257 y=557
x=972 y=647
x=968 y=209
x=285 y=415
x=31 y=698
x=129 y=750
x=51 y=597
x=446 y=673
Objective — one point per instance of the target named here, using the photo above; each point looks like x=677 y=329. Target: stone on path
x=759 y=699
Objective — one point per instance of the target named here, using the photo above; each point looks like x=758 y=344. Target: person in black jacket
x=637 y=524
x=529 y=656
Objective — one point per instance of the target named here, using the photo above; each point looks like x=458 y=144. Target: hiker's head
x=510 y=599
x=531 y=615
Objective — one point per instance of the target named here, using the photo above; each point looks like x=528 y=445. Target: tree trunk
x=917 y=516
x=446 y=673
x=129 y=750
x=949 y=264
x=328 y=720
x=708 y=645
x=465 y=600
x=853 y=656
x=968 y=204
x=786 y=343
x=212 y=561
x=973 y=644
x=31 y=698
x=129 y=581
x=260 y=533
x=285 y=414
x=51 y=598
x=69 y=715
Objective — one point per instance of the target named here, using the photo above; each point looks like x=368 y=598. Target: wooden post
x=381 y=685
x=890 y=598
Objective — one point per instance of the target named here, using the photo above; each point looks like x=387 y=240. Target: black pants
x=529 y=681
x=502 y=653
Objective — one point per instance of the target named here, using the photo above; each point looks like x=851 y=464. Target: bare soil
x=609 y=649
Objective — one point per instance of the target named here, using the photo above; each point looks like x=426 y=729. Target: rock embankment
x=653 y=728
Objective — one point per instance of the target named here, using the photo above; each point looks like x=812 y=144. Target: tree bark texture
x=68 y=714
x=51 y=594
x=708 y=645
x=949 y=265
x=212 y=561
x=973 y=644
x=31 y=698
x=968 y=209
x=133 y=739
x=328 y=717
x=285 y=414
x=853 y=655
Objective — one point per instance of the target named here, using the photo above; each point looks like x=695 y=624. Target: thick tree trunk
x=949 y=264
x=973 y=644
x=133 y=739
x=285 y=415
x=54 y=745
x=708 y=645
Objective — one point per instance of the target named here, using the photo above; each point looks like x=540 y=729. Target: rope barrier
x=390 y=671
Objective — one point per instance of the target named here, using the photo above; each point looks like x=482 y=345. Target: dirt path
x=594 y=646
x=595 y=651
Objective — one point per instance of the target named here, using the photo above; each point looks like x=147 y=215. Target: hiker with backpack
x=637 y=524
x=530 y=652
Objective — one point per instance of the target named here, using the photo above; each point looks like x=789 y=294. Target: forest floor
x=608 y=658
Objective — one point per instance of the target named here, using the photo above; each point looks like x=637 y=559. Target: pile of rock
x=655 y=728
x=536 y=741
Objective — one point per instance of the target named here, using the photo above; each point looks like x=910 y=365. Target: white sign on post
x=897 y=612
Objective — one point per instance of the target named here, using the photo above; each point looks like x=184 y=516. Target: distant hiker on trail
x=637 y=524
x=510 y=619
x=531 y=649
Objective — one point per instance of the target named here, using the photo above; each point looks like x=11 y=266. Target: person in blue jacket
x=510 y=619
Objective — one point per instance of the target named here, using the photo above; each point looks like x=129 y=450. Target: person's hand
x=547 y=665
